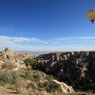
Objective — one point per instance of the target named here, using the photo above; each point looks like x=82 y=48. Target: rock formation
x=74 y=68
x=65 y=88
x=7 y=56
x=71 y=67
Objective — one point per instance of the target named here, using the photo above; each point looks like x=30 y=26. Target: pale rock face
x=1 y=62
x=8 y=56
x=65 y=88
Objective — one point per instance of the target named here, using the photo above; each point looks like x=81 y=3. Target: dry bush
x=9 y=66
x=7 y=77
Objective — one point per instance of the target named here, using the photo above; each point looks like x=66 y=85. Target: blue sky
x=46 y=25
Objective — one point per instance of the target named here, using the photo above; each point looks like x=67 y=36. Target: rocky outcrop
x=65 y=88
x=69 y=66
x=7 y=56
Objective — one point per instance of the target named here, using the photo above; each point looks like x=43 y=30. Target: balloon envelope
x=91 y=15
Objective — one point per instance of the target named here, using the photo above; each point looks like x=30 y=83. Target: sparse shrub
x=16 y=78
x=46 y=70
x=41 y=85
x=8 y=66
x=7 y=56
x=5 y=77
x=33 y=75
x=30 y=62
x=9 y=78
x=49 y=77
x=22 y=91
x=50 y=86
x=18 y=91
x=2 y=83
x=28 y=74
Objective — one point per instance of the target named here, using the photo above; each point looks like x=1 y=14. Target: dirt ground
x=12 y=91
x=7 y=91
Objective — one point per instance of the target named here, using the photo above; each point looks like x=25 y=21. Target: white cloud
x=13 y=43
x=5 y=29
x=73 y=39
x=20 y=39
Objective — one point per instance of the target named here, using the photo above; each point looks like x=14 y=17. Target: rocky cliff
x=15 y=79
x=72 y=67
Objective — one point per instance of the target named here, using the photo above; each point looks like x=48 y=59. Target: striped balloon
x=91 y=15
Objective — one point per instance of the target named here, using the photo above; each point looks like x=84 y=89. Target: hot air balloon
x=91 y=15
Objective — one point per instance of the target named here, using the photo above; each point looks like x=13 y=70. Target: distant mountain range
x=34 y=52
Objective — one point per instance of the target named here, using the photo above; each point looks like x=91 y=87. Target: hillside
x=56 y=73
x=16 y=58
x=75 y=68
x=17 y=79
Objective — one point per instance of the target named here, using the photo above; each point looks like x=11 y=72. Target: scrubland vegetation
x=36 y=79
x=29 y=82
